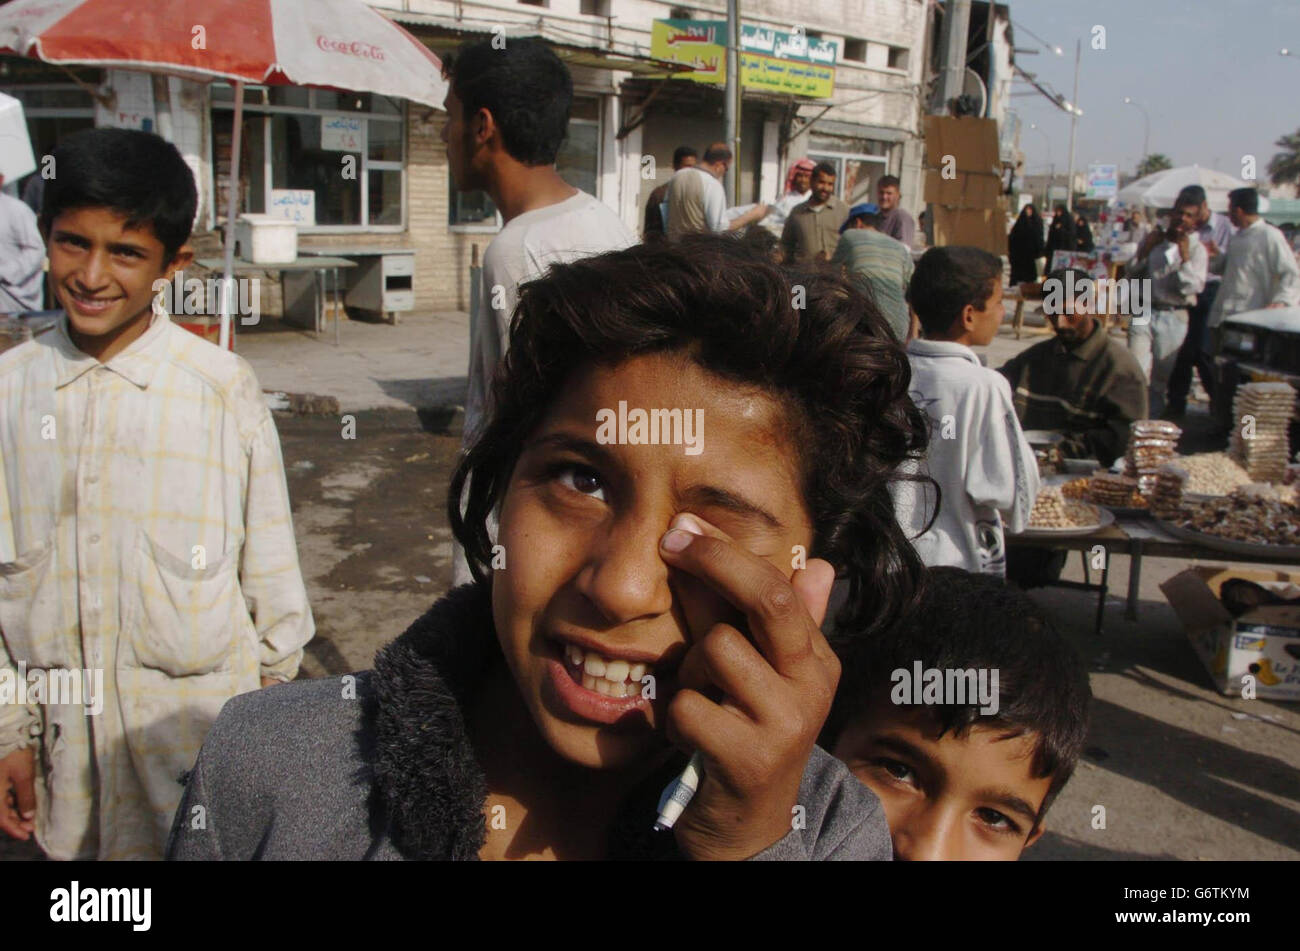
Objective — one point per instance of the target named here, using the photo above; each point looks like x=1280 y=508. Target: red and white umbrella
x=334 y=44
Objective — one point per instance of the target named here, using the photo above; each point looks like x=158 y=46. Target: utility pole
x=955 y=30
x=1074 y=121
x=730 y=108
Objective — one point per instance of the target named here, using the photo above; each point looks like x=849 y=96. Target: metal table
x=1135 y=536
x=319 y=263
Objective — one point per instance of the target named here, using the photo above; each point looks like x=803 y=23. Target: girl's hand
x=775 y=693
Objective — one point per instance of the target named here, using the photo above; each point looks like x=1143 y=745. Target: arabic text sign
x=789 y=76
x=697 y=43
x=342 y=134
x=770 y=59
x=293 y=204
x=1103 y=181
x=789 y=46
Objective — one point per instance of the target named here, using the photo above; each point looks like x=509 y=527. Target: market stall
x=1235 y=507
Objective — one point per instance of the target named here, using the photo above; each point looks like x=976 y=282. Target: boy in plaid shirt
x=147 y=554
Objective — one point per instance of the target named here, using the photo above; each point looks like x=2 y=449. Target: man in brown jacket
x=1081 y=382
x=813 y=228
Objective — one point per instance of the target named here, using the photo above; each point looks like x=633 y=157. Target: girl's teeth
x=616 y=671
x=601 y=675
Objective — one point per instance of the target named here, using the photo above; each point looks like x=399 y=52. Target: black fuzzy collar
x=430 y=788
x=430 y=784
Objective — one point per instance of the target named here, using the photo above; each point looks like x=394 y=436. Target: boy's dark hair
x=824 y=168
x=1247 y=199
x=962 y=621
x=946 y=280
x=832 y=364
x=1190 y=195
x=134 y=173
x=886 y=180
x=524 y=85
x=682 y=153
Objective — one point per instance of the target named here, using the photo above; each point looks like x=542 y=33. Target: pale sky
x=1208 y=73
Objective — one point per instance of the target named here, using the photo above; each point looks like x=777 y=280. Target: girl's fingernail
x=687 y=524
x=676 y=540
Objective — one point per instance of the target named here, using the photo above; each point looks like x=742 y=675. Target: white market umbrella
x=1160 y=189
x=333 y=44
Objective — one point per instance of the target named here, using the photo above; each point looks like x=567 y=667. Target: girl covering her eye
x=682 y=460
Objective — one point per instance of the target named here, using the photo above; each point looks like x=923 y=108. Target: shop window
x=855 y=175
x=855 y=50
x=346 y=148
x=898 y=57
x=595 y=8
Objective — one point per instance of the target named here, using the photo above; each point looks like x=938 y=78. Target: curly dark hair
x=810 y=340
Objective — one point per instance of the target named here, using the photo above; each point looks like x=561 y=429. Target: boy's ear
x=1035 y=835
x=968 y=317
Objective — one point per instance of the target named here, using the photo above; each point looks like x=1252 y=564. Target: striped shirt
x=145 y=536
x=885 y=267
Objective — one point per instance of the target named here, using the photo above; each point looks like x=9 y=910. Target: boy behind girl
x=143 y=515
x=957 y=780
x=985 y=470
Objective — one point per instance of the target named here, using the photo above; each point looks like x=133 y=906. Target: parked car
x=1259 y=345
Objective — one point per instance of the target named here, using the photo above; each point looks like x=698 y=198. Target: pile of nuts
x=1211 y=473
x=1053 y=510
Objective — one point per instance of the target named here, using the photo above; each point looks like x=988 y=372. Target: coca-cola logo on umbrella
x=351 y=48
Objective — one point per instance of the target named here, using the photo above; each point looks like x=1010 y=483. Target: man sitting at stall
x=1081 y=382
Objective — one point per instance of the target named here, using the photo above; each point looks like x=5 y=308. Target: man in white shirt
x=22 y=252
x=1259 y=269
x=1174 y=260
x=697 y=202
x=986 y=471
x=1214 y=231
x=507 y=115
x=798 y=189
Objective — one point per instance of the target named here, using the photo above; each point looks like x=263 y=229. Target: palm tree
x=1155 y=162
x=1284 y=167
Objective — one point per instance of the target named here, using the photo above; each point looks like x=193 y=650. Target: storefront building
x=399 y=194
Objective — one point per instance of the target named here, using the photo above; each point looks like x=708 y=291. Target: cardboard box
x=1263 y=642
x=984 y=228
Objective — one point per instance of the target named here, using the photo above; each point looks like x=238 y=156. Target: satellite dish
x=973 y=86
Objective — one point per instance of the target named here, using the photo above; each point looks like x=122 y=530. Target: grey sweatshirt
x=378 y=766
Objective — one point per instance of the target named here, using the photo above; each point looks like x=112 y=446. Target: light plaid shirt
x=144 y=531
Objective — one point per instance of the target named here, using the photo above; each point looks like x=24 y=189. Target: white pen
x=678 y=794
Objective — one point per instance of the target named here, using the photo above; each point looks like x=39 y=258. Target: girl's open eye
x=581 y=479
x=997 y=821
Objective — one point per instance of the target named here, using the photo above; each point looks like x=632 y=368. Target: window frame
x=267 y=110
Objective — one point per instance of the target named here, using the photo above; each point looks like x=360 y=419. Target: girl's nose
x=625 y=578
